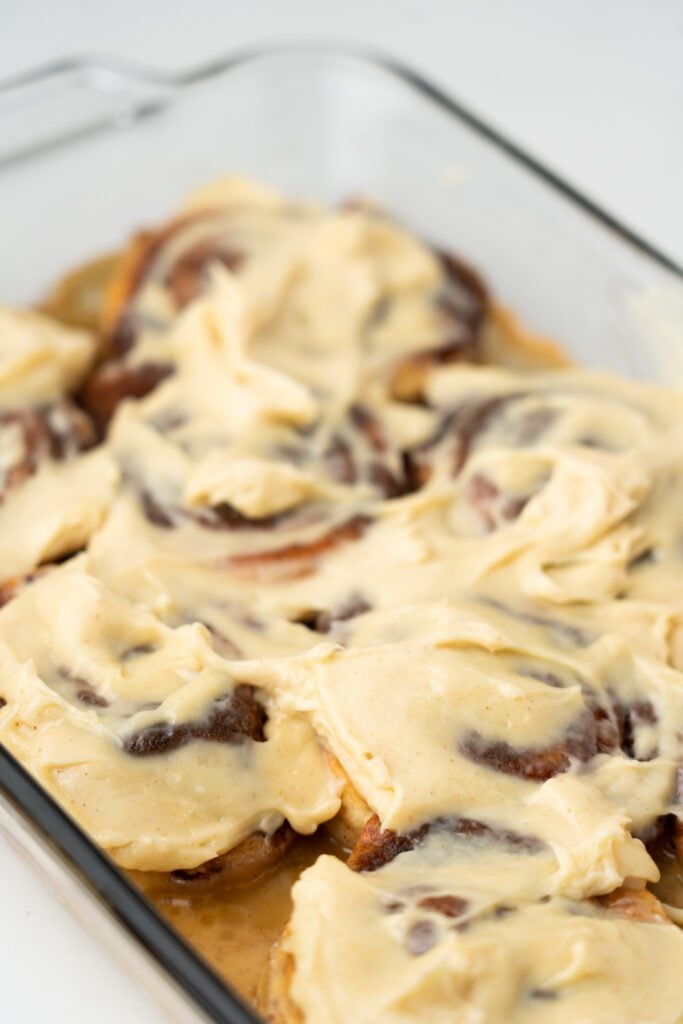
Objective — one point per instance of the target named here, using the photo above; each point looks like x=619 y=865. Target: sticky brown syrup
x=669 y=889
x=234 y=928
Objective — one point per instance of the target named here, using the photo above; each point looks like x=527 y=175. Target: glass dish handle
x=74 y=98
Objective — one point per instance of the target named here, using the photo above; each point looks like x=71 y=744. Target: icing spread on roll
x=53 y=490
x=142 y=732
x=471 y=942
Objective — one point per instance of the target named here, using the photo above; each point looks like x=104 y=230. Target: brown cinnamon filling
x=222 y=516
x=297 y=560
x=629 y=719
x=246 y=862
x=113 y=381
x=226 y=517
x=140 y=263
x=55 y=431
x=448 y=905
x=490 y=504
x=235 y=718
x=457 y=431
x=187 y=278
x=366 y=455
x=323 y=621
x=376 y=847
x=538 y=764
x=464 y=302
x=563 y=633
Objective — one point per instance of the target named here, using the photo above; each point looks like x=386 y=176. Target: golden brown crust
x=132 y=264
x=258 y=853
x=678 y=838
x=114 y=378
x=376 y=846
x=354 y=814
x=409 y=377
x=501 y=341
x=78 y=298
x=634 y=905
x=11 y=587
x=505 y=342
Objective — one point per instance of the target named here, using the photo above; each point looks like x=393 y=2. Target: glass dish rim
x=109 y=886
x=211 y=995
x=176 y=81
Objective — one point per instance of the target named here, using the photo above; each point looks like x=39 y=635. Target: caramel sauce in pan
x=78 y=297
x=669 y=889
x=233 y=928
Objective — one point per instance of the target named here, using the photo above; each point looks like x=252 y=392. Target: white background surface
x=592 y=87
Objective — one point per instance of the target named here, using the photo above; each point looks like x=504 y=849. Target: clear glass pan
x=91 y=150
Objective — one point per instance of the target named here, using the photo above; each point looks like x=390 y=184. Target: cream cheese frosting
x=493 y=726
x=44 y=437
x=467 y=943
x=326 y=539
x=142 y=733
x=73 y=498
x=295 y=262
x=40 y=360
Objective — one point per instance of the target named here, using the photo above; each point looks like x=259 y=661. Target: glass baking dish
x=91 y=150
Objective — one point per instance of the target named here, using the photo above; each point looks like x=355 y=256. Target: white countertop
x=593 y=90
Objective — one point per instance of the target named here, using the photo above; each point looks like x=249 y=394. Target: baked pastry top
x=308 y=533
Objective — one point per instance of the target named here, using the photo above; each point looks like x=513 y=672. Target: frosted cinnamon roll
x=337 y=294
x=144 y=735
x=436 y=934
x=550 y=494
x=239 y=465
x=564 y=749
x=46 y=462
x=77 y=299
